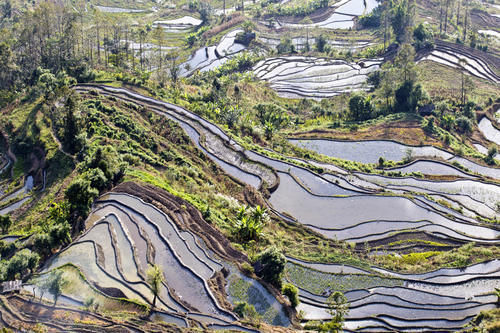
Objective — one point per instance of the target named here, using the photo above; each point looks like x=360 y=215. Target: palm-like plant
x=250 y=223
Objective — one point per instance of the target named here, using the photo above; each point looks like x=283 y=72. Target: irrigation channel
x=338 y=204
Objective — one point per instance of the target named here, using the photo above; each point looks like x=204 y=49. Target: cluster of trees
x=21 y=264
x=396 y=85
x=56 y=231
x=320 y=45
x=58 y=38
x=269 y=265
x=101 y=169
x=272 y=117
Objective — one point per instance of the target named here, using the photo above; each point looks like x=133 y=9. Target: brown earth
x=20 y=313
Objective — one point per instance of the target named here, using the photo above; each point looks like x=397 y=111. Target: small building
x=9 y=286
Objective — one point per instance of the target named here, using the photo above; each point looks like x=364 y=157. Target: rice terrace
x=249 y=166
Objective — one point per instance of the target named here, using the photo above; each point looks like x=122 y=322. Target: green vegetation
x=421 y=262
x=250 y=223
x=89 y=143
x=5 y=223
x=290 y=291
x=270 y=265
x=338 y=307
x=55 y=284
x=155 y=279
x=318 y=282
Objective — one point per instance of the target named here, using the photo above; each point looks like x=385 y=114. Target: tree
x=402 y=20
x=155 y=279
x=43 y=286
x=405 y=63
x=159 y=36
x=7 y=9
x=56 y=283
x=307 y=22
x=447 y=121
x=467 y=85
x=429 y=128
x=360 y=107
x=423 y=36
x=321 y=43
x=205 y=11
x=245 y=310
x=80 y=195
x=47 y=83
x=389 y=76
x=142 y=38
x=269 y=130
x=446 y=15
x=285 y=46
x=60 y=234
x=42 y=243
x=230 y=114
x=173 y=67
x=5 y=223
x=290 y=291
x=465 y=20
x=21 y=263
x=71 y=127
x=8 y=67
x=464 y=125
x=338 y=308
x=492 y=152
x=409 y=96
x=270 y=265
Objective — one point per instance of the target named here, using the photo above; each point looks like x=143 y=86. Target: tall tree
x=8 y=67
x=405 y=62
x=56 y=284
x=142 y=38
x=155 y=279
x=338 y=307
x=159 y=36
x=465 y=20
x=402 y=20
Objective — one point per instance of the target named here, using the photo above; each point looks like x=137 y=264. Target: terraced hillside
x=249 y=166
x=448 y=212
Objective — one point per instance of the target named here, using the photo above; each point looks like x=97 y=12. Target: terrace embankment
x=187 y=217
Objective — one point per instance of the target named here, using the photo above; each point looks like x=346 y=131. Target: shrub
x=245 y=310
x=270 y=266
x=423 y=36
x=464 y=125
x=429 y=128
x=490 y=158
x=290 y=291
x=5 y=223
x=321 y=43
x=247 y=268
x=80 y=195
x=20 y=264
x=285 y=46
